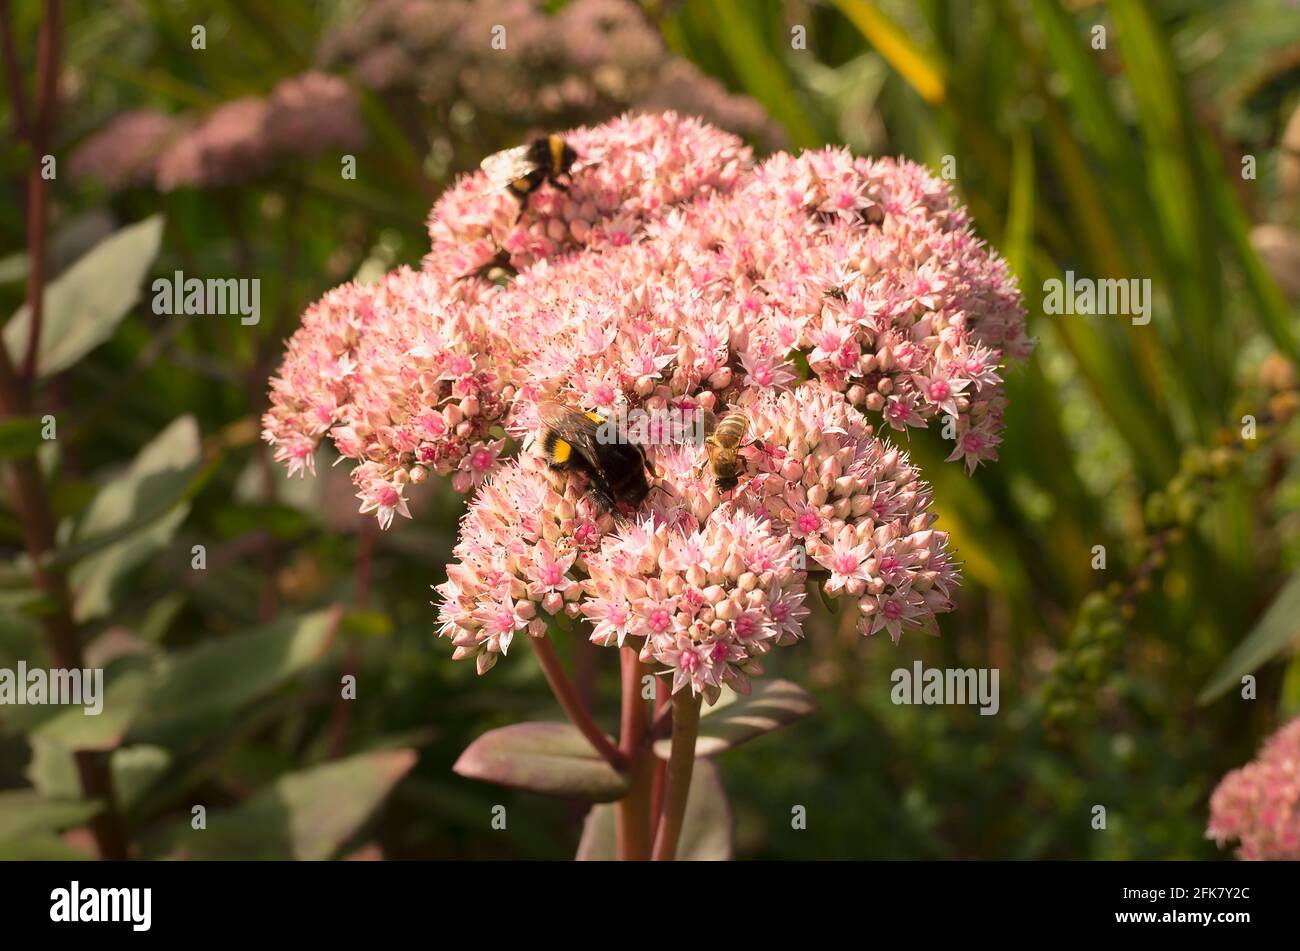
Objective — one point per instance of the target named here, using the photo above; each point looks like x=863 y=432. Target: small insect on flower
x=614 y=468
x=522 y=170
x=723 y=446
x=498 y=270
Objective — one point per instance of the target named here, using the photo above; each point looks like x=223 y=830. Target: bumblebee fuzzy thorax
x=614 y=470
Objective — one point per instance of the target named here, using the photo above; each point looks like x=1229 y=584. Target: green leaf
x=13 y=267
x=765 y=77
x=74 y=729
x=706 y=830
x=183 y=697
x=1271 y=635
x=39 y=847
x=142 y=509
x=736 y=719
x=30 y=822
x=199 y=689
x=19 y=437
x=25 y=812
x=550 y=758
x=1068 y=50
x=922 y=72
x=367 y=624
x=52 y=771
x=1018 y=236
x=1288 y=701
x=84 y=305
x=135 y=770
x=308 y=815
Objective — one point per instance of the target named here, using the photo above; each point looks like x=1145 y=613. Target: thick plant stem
x=27 y=486
x=49 y=43
x=32 y=505
x=633 y=810
x=572 y=703
x=663 y=704
x=681 y=763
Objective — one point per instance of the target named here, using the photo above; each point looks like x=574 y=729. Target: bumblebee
x=615 y=470
x=522 y=170
x=723 y=446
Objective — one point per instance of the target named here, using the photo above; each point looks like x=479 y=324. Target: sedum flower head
x=123 y=153
x=837 y=301
x=1259 y=804
x=401 y=376
x=305 y=117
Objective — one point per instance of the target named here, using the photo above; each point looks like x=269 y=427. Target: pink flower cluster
x=125 y=152
x=1259 y=804
x=522 y=543
x=705 y=582
x=632 y=169
x=304 y=117
x=674 y=274
x=854 y=502
x=560 y=64
x=402 y=376
x=705 y=598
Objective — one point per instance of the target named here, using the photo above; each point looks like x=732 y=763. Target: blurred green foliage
x=1119 y=161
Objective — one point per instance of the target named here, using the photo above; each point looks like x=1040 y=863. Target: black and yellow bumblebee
x=522 y=170
x=723 y=446
x=614 y=469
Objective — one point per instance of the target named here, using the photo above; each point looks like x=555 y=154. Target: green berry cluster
x=1094 y=641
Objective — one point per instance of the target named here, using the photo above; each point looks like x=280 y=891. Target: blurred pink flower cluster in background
x=238 y=141
x=1259 y=804
x=817 y=292
x=513 y=62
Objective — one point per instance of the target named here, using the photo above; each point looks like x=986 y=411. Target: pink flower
x=891 y=609
x=823 y=295
x=1259 y=804
x=499 y=619
x=846 y=562
x=384 y=497
x=125 y=152
x=476 y=465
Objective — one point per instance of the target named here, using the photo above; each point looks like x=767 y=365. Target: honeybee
x=522 y=170
x=723 y=446
x=498 y=270
x=615 y=470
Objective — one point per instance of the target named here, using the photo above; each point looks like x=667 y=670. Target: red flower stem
x=662 y=725
x=633 y=810
x=31 y=501
x=572 y=704
x=663 y=707
x=47 y=73
x=681 y=763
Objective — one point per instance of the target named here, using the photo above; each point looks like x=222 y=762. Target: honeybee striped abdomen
x=723 y=446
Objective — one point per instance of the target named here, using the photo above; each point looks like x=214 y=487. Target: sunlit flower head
x=1259 y=804
x=838 y=302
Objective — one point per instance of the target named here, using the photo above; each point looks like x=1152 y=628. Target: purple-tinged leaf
x=550 y=758
x=735 y=719
x=706 y=831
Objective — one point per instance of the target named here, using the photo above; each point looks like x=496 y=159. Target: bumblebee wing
x=558 y=416
x=502 y=168
x=569 y=433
